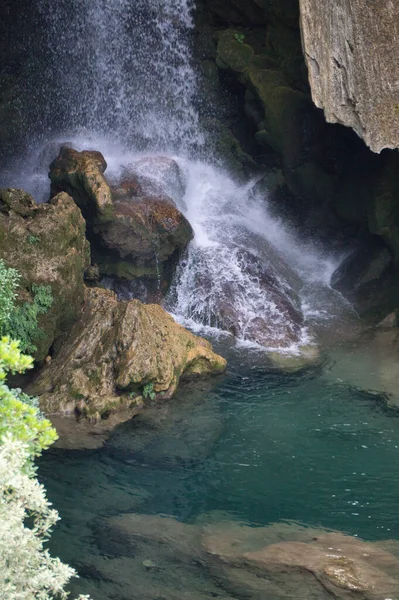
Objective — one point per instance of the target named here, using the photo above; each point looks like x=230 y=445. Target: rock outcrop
x=278 y=561
x=46 y=243
x=117 y=355
x=352 y=52
x=134 y=227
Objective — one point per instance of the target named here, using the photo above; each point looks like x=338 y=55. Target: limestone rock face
x=114 y=351
x=46 y=243
x=352 y=52
x=134 y=226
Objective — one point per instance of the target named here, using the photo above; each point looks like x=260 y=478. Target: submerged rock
x=288 y=559
x=370 y=363
x=135 y=228
x=46 y=243
x=117 y=355
x=277 y=561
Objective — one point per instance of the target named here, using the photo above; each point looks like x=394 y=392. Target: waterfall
x=119 y=77
x=118 y=69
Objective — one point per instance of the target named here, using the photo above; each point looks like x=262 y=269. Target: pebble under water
x=252 y=447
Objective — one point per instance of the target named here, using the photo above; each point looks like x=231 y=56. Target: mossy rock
x=285 y=42
x=46 y=243
x=117 y=351
x=285 y=110
x=310 y=181
x=133 y=229
x=232 y=51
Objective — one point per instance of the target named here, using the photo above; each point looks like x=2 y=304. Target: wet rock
x=46 y=243
x=367 y=278
x=80 y=174
x=370 y=364
x=134 y=226
x=161 y=174
x=239 y=292
x=278 y=561
x=118 y=353
x=177 y=540
x=341 y=564
x=131 y=578
x=144 y=232
x=180 y=433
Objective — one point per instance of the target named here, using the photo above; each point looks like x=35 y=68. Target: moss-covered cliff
x=321 y=176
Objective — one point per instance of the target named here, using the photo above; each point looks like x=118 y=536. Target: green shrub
x=19 y=413
x=9 y=281
x=27 y=570
x=33 y=239
x=148 y=391
x=240 y=37
x=20 y=322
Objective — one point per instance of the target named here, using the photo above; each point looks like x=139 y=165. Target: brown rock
x=80 y=174
x=46 y=243
x=134 y=225
x=117 y=354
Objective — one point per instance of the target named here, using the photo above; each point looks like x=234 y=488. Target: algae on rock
x=46 y=244
x=113 y=351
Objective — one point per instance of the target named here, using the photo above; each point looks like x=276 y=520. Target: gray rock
x=352 y=52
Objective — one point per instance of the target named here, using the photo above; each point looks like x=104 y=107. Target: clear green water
x=261 y=447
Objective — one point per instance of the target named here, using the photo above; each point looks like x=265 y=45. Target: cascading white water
x=122 y=70
x=121 y=79
x=115 y=69
x=234 y=234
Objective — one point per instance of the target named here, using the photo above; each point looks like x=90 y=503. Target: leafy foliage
x=27 y=570
x=148 y=391
x=240 y=37
x=23 y=321
x=20 y=322
x=33 y=239
x=9 y=280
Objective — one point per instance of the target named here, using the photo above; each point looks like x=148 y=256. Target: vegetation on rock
x=20 y=321
x=27 y=570
x=50 y=283
x=118 y=353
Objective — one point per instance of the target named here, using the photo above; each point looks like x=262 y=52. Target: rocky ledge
x=117 y=355
x=46 y=243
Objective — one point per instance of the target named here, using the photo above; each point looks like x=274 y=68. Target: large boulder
x=234 y=290
x=117 y=355
x=367 y=277
x=353 y=73
x=46 y=243
x=135 y=228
